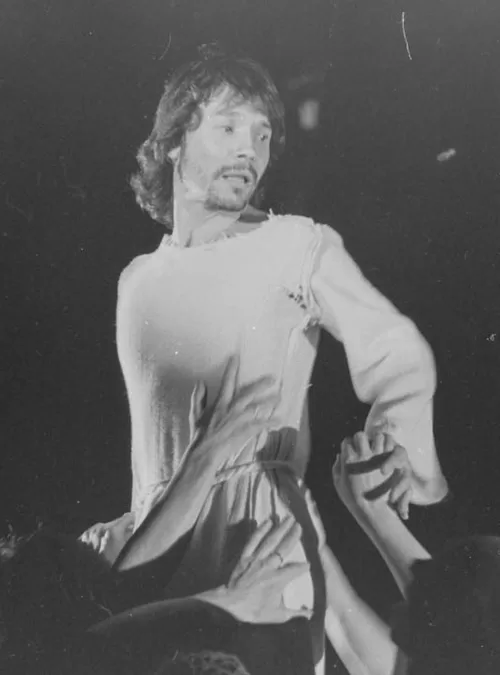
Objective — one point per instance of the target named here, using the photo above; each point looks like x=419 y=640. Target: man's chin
x=225 y=197
x=229 y=205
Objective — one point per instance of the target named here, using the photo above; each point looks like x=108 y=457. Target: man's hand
x=364 y=474
x=254 y=593
x=108 y=539
x=236 y=416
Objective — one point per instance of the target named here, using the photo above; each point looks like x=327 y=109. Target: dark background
x=79 y=83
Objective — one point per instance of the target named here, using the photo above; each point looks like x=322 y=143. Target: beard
x=228 y=197
x=228 y=192
x=222 y=190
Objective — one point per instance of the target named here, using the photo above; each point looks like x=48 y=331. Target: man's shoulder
x=304 y=228
x=134 y=267
x=274 y=228
x=288 y=227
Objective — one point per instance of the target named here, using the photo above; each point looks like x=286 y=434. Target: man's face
x=222 y=161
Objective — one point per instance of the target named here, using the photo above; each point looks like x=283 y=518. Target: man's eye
x=228 y=129
x=264 y=137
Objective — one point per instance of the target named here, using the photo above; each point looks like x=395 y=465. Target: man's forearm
x=394 y=541
x=358 y=635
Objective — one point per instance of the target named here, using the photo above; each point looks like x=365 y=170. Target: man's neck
x=194 y=225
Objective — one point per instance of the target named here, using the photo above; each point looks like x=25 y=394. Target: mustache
x=238 y=168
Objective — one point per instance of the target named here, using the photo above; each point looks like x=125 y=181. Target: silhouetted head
x=203 y=663
x=52 y=588
x=219 y=123
x=453 y=611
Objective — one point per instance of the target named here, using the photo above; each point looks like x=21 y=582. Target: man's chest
x=203 y=313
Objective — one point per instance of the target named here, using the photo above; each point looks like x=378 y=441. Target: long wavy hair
x=186 y=90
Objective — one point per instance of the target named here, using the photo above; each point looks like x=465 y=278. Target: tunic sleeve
x=391 y=365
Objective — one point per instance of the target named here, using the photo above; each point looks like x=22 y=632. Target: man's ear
x=173 y=154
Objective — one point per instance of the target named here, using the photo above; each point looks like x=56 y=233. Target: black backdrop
x=79 y=82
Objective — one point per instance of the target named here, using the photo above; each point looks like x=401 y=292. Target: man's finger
x=289 y=541
x=388 y=466
x=278 y=579
x=347 y=451
x=404 y=504
x=390 y=444
x=397 y=459
x=378 y=445
x=348 y=457
x=402 y=485
x=95 y=540
x=104 y=541
x=287 y=534
x=336 y=468
x=361 y=445
x=97 y=529
x=261 y=531
x=227 y=388
x=197 y=405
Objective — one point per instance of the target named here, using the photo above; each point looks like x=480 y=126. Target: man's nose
x=246 y=147
x=247 y=153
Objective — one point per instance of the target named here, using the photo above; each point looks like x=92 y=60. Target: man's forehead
x=230 y=102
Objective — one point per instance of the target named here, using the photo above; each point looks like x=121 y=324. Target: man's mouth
x=244 y=177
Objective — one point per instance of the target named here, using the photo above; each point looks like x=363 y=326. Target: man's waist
x=254 y=466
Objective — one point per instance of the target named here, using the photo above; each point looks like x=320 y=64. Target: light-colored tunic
x=261 y=294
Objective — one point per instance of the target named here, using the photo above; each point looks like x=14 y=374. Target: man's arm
x=254 y=591
x=361 y=639
x=391 y=365
x=358 y=635
x=394 y=541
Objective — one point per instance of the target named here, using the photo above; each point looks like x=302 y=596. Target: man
x=228 y=280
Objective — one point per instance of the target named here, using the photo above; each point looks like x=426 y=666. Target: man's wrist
x=339 y=590
x=376 y=516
